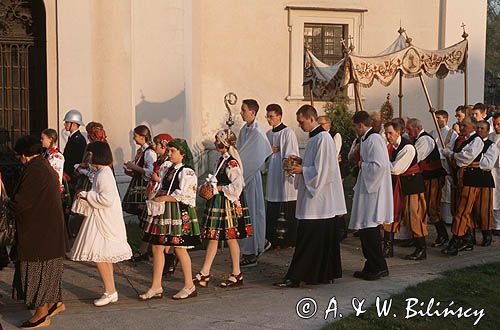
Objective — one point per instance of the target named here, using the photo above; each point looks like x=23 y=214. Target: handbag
x=7 y=220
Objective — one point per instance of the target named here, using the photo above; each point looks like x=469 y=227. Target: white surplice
x=320 y=192
x=496 y=191
x=373 y=203
x=279 y=185
x=254 y=148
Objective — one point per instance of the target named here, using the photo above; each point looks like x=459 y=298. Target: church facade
x=169 y=63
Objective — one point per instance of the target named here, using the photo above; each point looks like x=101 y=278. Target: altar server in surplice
x=495 y=137
x=372 y=204
x=254 y=148
x=320 y=200
x=281 y=194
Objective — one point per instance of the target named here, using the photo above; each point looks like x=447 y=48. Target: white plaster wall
x=75 y=59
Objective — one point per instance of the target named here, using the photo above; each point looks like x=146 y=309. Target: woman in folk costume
x=95 y=132
x=173 y=221
x=226 y=214
x=134 y=201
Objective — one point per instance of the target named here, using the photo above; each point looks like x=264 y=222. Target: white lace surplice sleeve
x=188 y=182
x=233 y=190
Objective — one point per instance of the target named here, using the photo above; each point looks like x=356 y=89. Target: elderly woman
x=41 y=238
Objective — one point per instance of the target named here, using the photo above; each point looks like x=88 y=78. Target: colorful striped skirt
x=178 y=226
x=225 y=220
x=134 y=201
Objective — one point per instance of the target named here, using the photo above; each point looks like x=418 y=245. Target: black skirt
x=316 y=259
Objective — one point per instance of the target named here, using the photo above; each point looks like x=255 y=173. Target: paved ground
x=256 y=305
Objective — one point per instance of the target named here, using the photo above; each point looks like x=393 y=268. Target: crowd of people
x=405 y=179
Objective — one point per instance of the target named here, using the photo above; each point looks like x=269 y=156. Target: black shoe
x=359 y=274
x=496 y=232
x=487 y=238
x=452 y=248
x=467 y=243
x=287 y=283
x=440 y=241
x=372 y=276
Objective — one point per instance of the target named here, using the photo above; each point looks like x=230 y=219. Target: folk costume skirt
x=225 y=220
x=316 y=259
x=178 y=226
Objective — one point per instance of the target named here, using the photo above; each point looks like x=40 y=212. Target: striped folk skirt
x=42 y=281
x=225 y=220
x=178 y=226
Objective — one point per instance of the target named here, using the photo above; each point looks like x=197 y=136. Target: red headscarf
x=164 y=139
x=97 y=134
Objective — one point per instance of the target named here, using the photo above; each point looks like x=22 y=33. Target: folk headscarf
x=97 y=134
x=182 y=145
x=228 y=139
x=164 y=139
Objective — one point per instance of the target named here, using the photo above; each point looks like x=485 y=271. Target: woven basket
x=206 y=191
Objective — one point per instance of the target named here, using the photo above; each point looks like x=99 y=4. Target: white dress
x=102 y=236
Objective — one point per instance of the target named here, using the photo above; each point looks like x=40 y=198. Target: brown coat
x=41 y=231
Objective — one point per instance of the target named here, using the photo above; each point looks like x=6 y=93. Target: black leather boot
x=420 y=252
x=452 y=248
x=487 y=238
x=442 y=234
x=388 y=244
x=467 y=242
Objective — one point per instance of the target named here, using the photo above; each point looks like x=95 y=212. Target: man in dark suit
x=75 y=147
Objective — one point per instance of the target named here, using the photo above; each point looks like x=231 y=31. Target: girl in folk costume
x=173 y=221
x=52 y=154
x=102 y=237
x=226 y=214
x=134 y=201
x=159 y=169
x=55 y=157
x=95 y=132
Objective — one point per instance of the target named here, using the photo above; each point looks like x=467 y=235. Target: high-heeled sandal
x=40 y=323
x=201 y=280
x=151 y=294
x=57 y=308
x=186 y=293
x=229 y=283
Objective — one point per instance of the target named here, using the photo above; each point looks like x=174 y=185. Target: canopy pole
x=400 y=95
x=431 y=109
x=356 y=95
x=466 y=89
x=311 y=95
x=356 y=100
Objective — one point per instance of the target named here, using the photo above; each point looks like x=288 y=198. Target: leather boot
x=487 y=238
x=388 y=244
x=467 y=242
x=420 y=252
x=452 y=248
x=442 y=234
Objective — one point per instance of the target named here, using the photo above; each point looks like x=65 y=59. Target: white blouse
x=188 y=184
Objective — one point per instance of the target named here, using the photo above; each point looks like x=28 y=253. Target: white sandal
x=185 y=293
x=152 y=294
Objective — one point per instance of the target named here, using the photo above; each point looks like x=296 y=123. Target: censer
x=281 y=225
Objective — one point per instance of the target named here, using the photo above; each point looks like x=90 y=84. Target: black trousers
x=316 y=258
x=371 y=243
x=273 y=210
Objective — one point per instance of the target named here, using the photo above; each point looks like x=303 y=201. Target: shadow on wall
x=161 y=117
